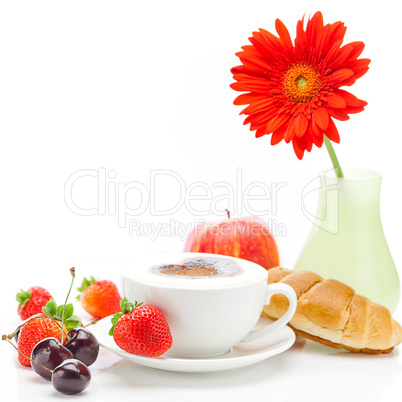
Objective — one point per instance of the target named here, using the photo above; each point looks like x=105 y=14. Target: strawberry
x=99 y=298
x=32 y=301
x=45 y=325
x=37 y=328
x=141 y=329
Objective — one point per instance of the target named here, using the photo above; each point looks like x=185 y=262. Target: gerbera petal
x=358 y=48
x=350 y=81
x=262 y=117
x=330 y=38
x=342 y=56
x=357 y=65
x=256 y=86
x=323 y=39
x=283 y=34
x=336 y=101
x=277 y=135
x=353 y=109
x=290 y=130
x=361 y=73
x=333 y=53
x=307 y=141
x=258 y=106
x=276 y=122
x=318 y=141
x=265 y=46
x=260 y=132
x=266 y=38
x=298 y=150
x=332 y=132
x=301 y=124
x=253 y=63
x=241 y=72
x=340 y=75
x=350 y=99
x=321 y=117
x=314 y=26
x=338 y=114
x=301 y=37
x=338 y=31
x=317 y=138
x=246 y=99
x=315 y=129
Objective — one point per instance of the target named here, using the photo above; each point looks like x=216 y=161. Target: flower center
x=301 y=82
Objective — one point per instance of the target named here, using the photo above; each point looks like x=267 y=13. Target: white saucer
x=241 y=355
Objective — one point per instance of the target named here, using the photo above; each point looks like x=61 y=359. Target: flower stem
x=333 y=157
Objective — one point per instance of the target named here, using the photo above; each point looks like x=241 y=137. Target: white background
x=134 y=87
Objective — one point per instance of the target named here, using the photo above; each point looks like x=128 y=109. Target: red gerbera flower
x=293 y=90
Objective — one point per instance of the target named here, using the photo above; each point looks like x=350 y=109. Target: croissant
x=329 y=312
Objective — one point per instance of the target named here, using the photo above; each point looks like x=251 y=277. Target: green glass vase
x=347 y=242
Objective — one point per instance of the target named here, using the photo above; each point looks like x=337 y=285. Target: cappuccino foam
x=197 y=270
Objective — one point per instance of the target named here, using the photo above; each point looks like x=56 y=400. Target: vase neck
x=348 y=200
x=353 y=193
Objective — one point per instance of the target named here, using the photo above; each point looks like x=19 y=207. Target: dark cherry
x=48 y=352
x=71 y=377
x=83 y=345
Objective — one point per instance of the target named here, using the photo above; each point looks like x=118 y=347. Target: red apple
x=247 y=238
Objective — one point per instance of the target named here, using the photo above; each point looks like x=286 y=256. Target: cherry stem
x=228 y=212
x=72 y=271
x=11 y=336
x=5 y=338
x=94 y=321
x=61 y=327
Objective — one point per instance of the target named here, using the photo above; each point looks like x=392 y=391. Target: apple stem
x=5 y=338
x=228 y=212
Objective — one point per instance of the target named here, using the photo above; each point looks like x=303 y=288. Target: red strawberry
x=99 y=298
x=37 y=328
x=141 y=329
x=32 y=301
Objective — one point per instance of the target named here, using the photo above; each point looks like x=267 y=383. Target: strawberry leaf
x=50 y=308
x=68 y=312
x=114 y=320
x=126 y=308
x=56 y=313
x=59 y=312
x=23 y=297
x=85 y=284
x=72 y=322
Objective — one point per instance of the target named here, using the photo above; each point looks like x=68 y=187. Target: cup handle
x=272 y=289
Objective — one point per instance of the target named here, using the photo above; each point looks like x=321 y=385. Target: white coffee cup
x=207 y=316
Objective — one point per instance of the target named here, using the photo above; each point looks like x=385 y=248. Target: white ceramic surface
x=207 y=316
x=243 y=354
